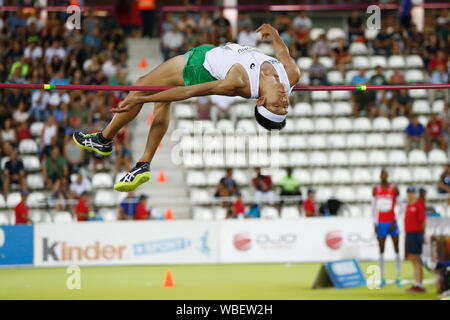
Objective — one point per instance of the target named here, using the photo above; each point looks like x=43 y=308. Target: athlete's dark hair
x=268 y=124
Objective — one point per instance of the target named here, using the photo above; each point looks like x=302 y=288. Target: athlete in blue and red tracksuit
x=385 y=197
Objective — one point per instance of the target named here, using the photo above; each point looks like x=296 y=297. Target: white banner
x=307 y=239
x=131 y=242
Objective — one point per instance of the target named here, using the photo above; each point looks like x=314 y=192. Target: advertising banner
x=131 y=242
x=16 y=245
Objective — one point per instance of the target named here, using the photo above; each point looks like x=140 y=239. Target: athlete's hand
x=126 y=104
x=266 y=31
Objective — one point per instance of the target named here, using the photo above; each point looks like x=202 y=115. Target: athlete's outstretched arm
x=281 y=52
x=224 y=87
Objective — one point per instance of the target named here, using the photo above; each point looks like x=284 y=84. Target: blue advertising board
x=345 y=273
x=16 y=245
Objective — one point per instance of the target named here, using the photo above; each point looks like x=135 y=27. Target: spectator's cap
x=142 y=197
x=268 y=119
x=411 y=189
x=311 y=190
x=24 y=193
x=85 y=193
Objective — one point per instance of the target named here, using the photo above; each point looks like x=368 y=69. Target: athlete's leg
x=381 y=242
x=398 y=260
x=169 y=73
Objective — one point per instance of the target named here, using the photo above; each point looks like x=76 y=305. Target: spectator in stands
x=39 y=102
x=203 y=108
x=84 y=207
x=363 y=102
x=382 y=97
x=382 y=43
x=415 y=134
x=49 y=134
x=227 y=187
x=127 y=209
x=79 y=185
x=141 y=210
x=8 y=134
x=439 y=76
x=23 y=131
x=14 y=173
x=437 y=61
x=205 y=26
x=21 y=114
x=397 y=77
x=318 y=73
x=263 y=188
x=74 y=155
x=21 y=210
x=238 y=207
x=190 y=38
x=290 y=187
x=401 y=103
x=220 y=107
x=341 y=55
x=309 y=206
x=355 y=26
x=247 y=36
x=222 y=29
x=321 y=47
x=172 y=42
x=54 y=170
x=302 y=21
x=122 y=158
x=434 y=133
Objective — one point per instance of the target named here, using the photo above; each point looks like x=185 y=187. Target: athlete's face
x=384 y=176
x=277 y=101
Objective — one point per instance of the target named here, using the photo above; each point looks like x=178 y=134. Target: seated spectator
x=434 y=133
x=227 y=187
x=122 y=158
x=341 y=55
x=415 y=134
x=49 y=134
x=172 y=43
x=363 y=101
x=320 y=47
x=39 y=103
x=381 y=97
x=401 y=103
x=437 y=61
x=302 y=41
x=23 y=131
x=222 y=29
x=439 y=76
x=397 y=77
x=247 y=36
x=238 y=207
x=7 y=133
x=141 y=210
x=302 y=21
x=309 y=206
x=21 y=114
x=190 y=38
x=444 y=181
x=21 y=210
x=204 y=108
x=220 y=107
x=318 y=73
x=263 y=188
x=80 y=185
x=355 y=26
x=127 y=209
x=84 y=207
x=290 y=187
x=382 y=44
x=54 y=170
x=14 y=172
x=74 y=155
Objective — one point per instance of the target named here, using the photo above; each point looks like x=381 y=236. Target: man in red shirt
x=414 y=227
x=434 y=133
x=83 y=207
x=141 y=210
x=21 y=210
x=310 y=206
x=264 y=188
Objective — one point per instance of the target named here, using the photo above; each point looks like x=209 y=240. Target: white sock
x=398 y=265
x=381 y=263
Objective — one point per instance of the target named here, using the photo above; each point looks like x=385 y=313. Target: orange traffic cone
x=162 y=177
x=169 y=214
x=143 y=64
x=168 y=282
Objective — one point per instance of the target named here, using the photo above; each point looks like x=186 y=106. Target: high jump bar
x=43 y=86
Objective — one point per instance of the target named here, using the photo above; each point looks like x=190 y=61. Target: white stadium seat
x=297 y=142
x=35 y=181
x=199 y=196
x=63 y=217
x=341 y=176
x=185 y=126
x=336 y=141
x=220 y=213
x=13 y=199
x=324 y=193
x=2 y=202
x=4 y=221
x=375 y=140
x=36 y=199
x=376 y=61
x=401 y=175
x=317 y=141
x=364 y=193
x=323 y=124
x=396 y=62
x=36 y=128
x=31 y=163
x=105 y=198
x=195 y=178
x=370 y=34
x=321 y=176
x=345 y=194
x=289 y=213
x=358 y=158
x=243 y=110
x=381 y=124
x=355 y=140
x=102 y=180
x=298 y=159
x=202 y=214
x=315 y=33
x=334 y=34
x=418 y=93
x=303 y=176
x=302 y=109
x=414 y=76
x=377 y=157
x=397 y=157
x=304 y=63
x=183 y=110
x=421 y=106
x=437 y=156
x=354 y=211
x=320 y=95
x=338 y=158
x=421 y=174
x=417 y=157
x=360 y=62
x=438 y=106
x=343 y=125
x=395 y=140
x=335 y=77
x=28 y=146
x=414 y=61
x=361 y=176
x=341 y=109
x=318 y=159
x=358 y=48
x=362 y=124
x=269 y=213
x=322 y=109
x=225 y=125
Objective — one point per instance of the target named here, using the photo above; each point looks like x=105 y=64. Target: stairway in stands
x=162 y=195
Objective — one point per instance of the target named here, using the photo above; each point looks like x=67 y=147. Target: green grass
x=234 y=281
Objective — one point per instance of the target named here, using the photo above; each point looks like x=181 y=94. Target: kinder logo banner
x=153 y=242
x=309 y=239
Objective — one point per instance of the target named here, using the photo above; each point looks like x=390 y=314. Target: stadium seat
x=105 y=198
x=266 y=48
x=321 y=176
x=298 y=159
x=397 y=157
x=335 y=78
x=243 y=110
x=278 y=175
x=358 y=158
x=315 y=33
x=417 y=157
x=108 y=215
x=338 y=158
x=40 y=216
x=422 y=175
x=63 y=217
x=183 y=110
x=195 y=178
x=321 y=109
x=438 y=106
x=354 y=211
x=317 y=141
x=282 y=158
x=323 y=125
x=200 y=213
x=362 y=124
x=36 y=128
x=214 y=159
x=297 y=142
x=401 y=175
x=377 y=157
x=268 y=212
x=414 y=76
x=381 y=124
x=289 y=213
x=13 y=199
x=414 y=61
x=102 y=180
x=363 y=193
x=395 y=62
x=320 y=95
x=220 y=213
x=2 y=201
x=361 y=176
x=303 y=176
x=35 y=181
x=4 y=220
x=358 y=48
x=199 y=196
x=421 y=107
x=378 y=61
x=360 y=62
x=324 y=193
x=349 y=75
x=345 y=194
x=304 y=63
x=418 y=93
x=399 y=123
x=36 y=200
x=334 y=34
x=375 y=140
x=318 y=159
x=343 y=125
x=370 y=34
x=185 y=125
x=336 y=141
x=31 y=163
x=395 y=140
x=225 y=125
x=28 y=146
x=355 y=140
x=236 y=160
x=240 y=177
x=341 y=176
x=341 y=109
x=246 y=125
x=302 y=109
x=437 y=156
